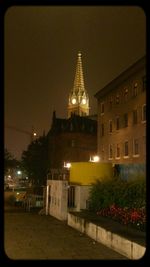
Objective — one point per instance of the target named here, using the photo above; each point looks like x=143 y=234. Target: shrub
x=124 y=201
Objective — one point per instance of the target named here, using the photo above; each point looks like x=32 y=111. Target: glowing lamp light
x=94 y=159
x=18 y=172
x=67 y=165
x=34 y=134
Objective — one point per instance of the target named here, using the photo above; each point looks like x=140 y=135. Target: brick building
x=72 y=140
x=122 y=117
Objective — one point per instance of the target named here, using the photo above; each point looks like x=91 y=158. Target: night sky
x=40 y=55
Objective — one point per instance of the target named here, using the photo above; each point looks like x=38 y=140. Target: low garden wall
x=120 y=244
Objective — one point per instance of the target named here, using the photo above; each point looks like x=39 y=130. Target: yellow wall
x=86 y=173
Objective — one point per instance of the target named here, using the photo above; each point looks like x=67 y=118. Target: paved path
x=32 y=236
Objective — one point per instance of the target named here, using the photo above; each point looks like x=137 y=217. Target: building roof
x=75 y=123
x=140 y=64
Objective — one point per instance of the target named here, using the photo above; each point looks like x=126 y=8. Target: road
x=28 y=235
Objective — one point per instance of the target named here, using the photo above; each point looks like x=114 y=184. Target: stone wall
x=58 y=199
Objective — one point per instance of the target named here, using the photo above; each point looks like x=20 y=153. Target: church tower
x=78 y=97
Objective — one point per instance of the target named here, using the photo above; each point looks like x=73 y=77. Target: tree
x=9 y=161
x=35 y=160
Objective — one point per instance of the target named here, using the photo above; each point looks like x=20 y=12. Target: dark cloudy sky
x=40 y=56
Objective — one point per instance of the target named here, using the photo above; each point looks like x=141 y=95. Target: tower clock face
x=83 y=101
x=73 y=100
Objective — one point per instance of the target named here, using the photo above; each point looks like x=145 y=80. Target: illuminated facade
x=122 y=117
x=78 y=97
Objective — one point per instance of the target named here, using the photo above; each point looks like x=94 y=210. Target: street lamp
x=67 y=165
x=94 y=158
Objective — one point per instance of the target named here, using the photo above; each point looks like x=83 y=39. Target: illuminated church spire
x=78 y=97
x=79 y=80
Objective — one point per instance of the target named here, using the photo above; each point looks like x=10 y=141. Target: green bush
x=120 y=192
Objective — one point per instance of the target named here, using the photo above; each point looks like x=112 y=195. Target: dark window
x=102 y=152
x=136 y=147
x=135 y=90
x=126 y=149
x=126 y=94
x=118 y=151
x=135 y=116
x=110 y=152
x=125 y=119
x=110 y=103
x=117 y=99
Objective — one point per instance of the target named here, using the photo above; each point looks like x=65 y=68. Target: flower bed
x=135 y=217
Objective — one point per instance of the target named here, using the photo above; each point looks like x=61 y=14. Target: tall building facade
x=78 y=98
x=122 y=117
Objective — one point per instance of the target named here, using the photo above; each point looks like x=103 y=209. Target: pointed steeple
x=78 y=97
x=79 y=80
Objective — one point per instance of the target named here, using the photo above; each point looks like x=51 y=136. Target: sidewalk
x=28 y=235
